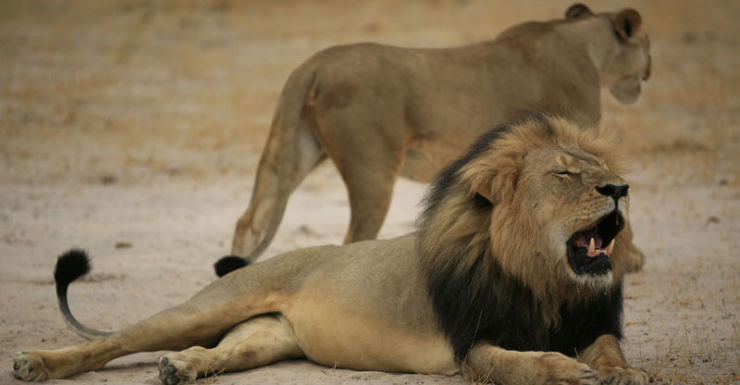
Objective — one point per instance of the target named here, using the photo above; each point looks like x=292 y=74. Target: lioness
x=515 y=276
x=379 y=111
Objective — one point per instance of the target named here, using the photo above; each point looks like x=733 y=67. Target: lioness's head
x=622 y=47
x=540 y=197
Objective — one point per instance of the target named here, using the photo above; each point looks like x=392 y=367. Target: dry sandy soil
x=133 y=128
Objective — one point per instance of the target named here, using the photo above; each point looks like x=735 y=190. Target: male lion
x=515 y=276
x=379 y=111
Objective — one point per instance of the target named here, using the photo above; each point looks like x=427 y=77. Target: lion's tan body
x=368 y=305
x=387 y=335
x=380 y=112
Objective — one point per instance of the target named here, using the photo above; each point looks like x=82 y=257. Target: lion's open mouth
x=589 y=250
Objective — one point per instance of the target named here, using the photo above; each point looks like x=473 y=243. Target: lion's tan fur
x=380 y=112
x=369 y=305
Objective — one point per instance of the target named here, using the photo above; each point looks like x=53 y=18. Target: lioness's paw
x=173 y=371
x=614 y=375
x=559 y=369
x=29 y=366
x=635 y=259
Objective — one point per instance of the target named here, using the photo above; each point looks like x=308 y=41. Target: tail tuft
x=71 y=265
x=228 y=264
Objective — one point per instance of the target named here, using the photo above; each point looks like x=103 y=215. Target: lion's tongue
x=583 y=239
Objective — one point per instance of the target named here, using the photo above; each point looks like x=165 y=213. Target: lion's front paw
x=173 y=371
x=560 y=369
x=29 y=366
x=615 y=375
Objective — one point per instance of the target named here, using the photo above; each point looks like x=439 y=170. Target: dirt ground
x=133 y=128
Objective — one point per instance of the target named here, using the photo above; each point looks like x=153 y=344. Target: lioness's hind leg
x=370 y=188
x=256 y=342
x=369 y=206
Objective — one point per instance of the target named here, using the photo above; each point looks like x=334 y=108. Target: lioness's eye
x=563 y=172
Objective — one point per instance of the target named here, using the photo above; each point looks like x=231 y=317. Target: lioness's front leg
x=635 y=257
x=605 y=356
x=488 y=363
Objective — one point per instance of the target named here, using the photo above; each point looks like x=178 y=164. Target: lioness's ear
x=626 y=23
x=577 y=11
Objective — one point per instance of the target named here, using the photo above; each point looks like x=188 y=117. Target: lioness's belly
x=333 y=336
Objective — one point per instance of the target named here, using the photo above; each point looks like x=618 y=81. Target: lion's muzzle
x=589 y=250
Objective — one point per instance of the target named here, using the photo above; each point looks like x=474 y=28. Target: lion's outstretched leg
x=283 y=166
x=202 y=320
x=488 y=363
x=173 y=329
x=259 y=341
x=605 y=356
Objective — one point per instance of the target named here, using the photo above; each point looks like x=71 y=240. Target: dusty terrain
x=133 y=128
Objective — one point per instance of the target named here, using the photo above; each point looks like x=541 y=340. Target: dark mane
x=473 y=297
x=504 y=313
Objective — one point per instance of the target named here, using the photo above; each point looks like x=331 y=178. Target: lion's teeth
x=591 y=248
x=610 y=248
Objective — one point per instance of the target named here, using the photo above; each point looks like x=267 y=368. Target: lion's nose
x=612 y=190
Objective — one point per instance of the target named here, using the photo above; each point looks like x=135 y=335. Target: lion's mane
x=482 y=251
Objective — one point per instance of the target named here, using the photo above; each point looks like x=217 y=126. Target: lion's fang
x=610 y=248
x=591 y=248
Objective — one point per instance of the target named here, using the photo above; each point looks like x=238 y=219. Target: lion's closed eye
x=565 y=173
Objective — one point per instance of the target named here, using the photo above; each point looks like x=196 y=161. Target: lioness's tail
x=291 y=152
x=70 y=266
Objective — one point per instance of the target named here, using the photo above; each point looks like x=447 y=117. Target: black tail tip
x=71 y=265
x=228 y=264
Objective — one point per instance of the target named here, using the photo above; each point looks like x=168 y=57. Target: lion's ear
x=577 y=11
x=484 y=195
x=495 y=187
x=626 y=23
x=480 y=184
